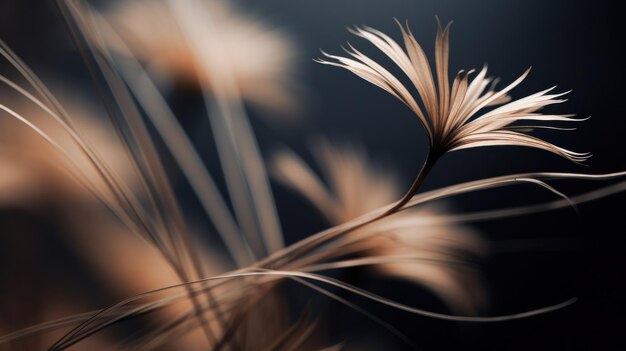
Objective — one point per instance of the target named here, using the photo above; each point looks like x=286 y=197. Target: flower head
x=455 y=117
x=262 y=58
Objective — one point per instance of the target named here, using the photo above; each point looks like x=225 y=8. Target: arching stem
x=431 y=159
x=307 y=245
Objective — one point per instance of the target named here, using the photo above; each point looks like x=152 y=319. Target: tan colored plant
x=231 y=308
x=261 y=58
x=452 y=118
x=411 y=245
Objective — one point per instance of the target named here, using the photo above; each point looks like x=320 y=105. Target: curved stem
x=431 y=159
x=307 y=245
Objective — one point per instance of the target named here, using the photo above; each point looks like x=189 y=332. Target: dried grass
x=202 y=304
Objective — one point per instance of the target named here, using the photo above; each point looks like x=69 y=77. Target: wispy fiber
x=455 y=117
x=373 y=224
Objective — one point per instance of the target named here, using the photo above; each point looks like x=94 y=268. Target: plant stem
x=307 y=245
x=431 y=159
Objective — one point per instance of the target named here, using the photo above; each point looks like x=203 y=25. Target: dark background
x=537 y=260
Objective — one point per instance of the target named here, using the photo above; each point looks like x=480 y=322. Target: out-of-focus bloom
x=121 y=264
x=455 y=117
x=409 y=245
x=36 y=172
x=35 y=180
x=260 y=58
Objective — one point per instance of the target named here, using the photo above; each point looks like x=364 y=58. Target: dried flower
x=452 y=116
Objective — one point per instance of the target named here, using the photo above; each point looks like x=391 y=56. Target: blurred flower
x=409 y=245
x=452 y=115
x=120 y=263
x=260 y=58
x=35 y=181
x=36 y=172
